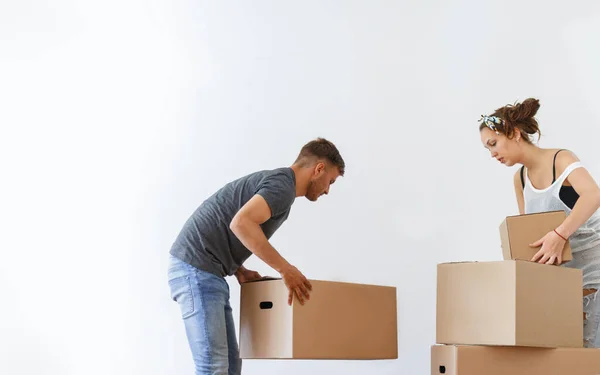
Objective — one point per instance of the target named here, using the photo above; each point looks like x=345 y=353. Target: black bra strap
x=522 y=180
x=554 y=166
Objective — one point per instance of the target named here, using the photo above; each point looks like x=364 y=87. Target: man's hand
x=552 y=248
x=296 y=283
x=244 y=276
x=246 y=226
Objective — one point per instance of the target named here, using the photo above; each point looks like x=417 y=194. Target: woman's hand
x=552 y=248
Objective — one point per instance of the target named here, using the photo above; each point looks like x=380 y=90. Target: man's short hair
x=321 y=148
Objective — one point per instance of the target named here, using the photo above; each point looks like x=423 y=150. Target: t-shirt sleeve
x=279 y=193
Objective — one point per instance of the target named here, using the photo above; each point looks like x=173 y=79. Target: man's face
x=321 y=180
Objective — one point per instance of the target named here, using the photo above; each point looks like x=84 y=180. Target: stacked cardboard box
x=512 y=316
x=340 y=321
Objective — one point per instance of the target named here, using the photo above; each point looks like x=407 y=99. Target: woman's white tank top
x=585 y=242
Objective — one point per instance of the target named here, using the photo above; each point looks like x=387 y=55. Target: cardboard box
x=340 y=321
x=509 y=303
x=487 y=360
x=517 y=232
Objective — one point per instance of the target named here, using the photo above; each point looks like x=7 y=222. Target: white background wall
x=119 y=117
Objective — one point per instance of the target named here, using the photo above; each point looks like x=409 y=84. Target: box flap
x=264 y=278
x=534 y=213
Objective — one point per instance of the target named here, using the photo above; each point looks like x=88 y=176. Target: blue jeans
x=204 y=302
x=591 y=308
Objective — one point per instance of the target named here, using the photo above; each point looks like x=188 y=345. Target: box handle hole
x=266 y=305
x=442 y=369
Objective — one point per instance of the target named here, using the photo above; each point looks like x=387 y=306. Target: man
x=231 y=225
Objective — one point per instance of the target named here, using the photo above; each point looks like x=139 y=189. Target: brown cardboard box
x=511 y=303
x=487 y=360
x=340 y=321
x=517 y=232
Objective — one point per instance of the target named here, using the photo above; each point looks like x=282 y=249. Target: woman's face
x=503 y=149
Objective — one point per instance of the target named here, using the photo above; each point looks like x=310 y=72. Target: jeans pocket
x=181 y=292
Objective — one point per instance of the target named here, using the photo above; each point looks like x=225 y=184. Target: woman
x=551 y=180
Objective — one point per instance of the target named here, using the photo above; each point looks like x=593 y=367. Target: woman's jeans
x=591 y=310
x=204 y=301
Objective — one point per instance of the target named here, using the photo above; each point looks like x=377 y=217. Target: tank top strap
x=570 y=168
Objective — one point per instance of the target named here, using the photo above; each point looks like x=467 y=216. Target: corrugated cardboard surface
x=557 y=290
x=476 y=303
x=486 y=360
x=517 y=232
x=340 y=321
x=265 y=332
x=344 y=320
x=514 y=303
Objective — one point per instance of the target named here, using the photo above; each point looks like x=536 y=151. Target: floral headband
x=491 y=121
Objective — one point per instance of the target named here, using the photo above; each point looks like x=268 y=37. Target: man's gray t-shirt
x=207 y=243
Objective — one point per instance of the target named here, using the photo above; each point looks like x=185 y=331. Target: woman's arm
x=585 y=186
x=589 y=201
x=519 y=192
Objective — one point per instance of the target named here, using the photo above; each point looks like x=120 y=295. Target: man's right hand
x=246 y=226
x=296 y=283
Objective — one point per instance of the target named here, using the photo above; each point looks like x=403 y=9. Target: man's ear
x=319 y=168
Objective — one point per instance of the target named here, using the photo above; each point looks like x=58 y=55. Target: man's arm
x=246 y=226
